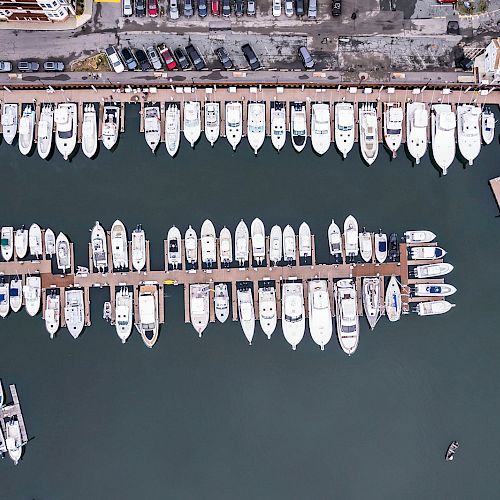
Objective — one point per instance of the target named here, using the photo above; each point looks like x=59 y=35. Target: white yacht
x=7 y=242
x=469 y=131
x=246 y=312
x=32 y=294
x=487 y=125
x=351 y=237
x=275 y=245
x=27 y=129
x=89 y=131
x=35 y=241
x=267 y=309
x=293 y=321
x=433 y=290
x=21 y=242
x=152 y=126
x=344 y=127
x=212 y=122
x=234 y=123
x=13 y=439
x=138 y=248
x=4 y=298
x=278 y=124
x=192 y=121
x=365 y=245
x=433 y=307
x=74 y=311
x=50 y=242
x=199 y=306
x=172 y=129
x=208 y=246
x=380 y=246
x=417 y=120
x=371 y=300
x=65 y=117
x=393 y=127
x=347 y=315
x=443 y=124
x=321 y=134
x=45 y=131
x=427 y=253
x=221 y=302
x=191 y=246
x=335 y=240
x=305 y=241
x=368 y=132
x=63 y=253
x=320 y=312
x=289 y=245
x=298 y=125
x=226 y=247
x=119 y=245
x=16 y=294
x=258 y=235
x=99 y=245
x=148 y=320
x=393 y=300
x=241 y=246
x=432 y=270
x=52 y=312
x=110 y=125
x=174 y=240
x=422 y=236
x=124 y=309
x=256 y=125
x=10 y=114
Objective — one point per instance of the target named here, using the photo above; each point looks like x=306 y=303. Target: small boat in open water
x=433 y=307
x=452 y=449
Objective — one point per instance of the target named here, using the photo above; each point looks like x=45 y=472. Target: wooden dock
x=14 y=411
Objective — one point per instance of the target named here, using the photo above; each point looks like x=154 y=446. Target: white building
x=492 y=61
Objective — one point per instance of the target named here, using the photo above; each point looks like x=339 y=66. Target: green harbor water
x=215 y=418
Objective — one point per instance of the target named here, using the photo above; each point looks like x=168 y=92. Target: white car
x=289 y=8
x=127 y=8
x=276 y=8
x=174 y=10
x=114 y=59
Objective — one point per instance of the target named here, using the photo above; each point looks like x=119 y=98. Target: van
x=127 y=8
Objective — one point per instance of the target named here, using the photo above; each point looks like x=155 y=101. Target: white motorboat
x=393 y=300
x=63 y=253
x=443 y=124
x=152 y=126
x=50 y=242
x=174 y=240
x=432 y=270
x=335 y=240
x=469 y=131
x=16 y=294
x=199 y=306
x=191 y=246
x=258 y=234
x=344 y=127
x=433 y=307
x=35 y=241
x=246 y=312
x=426 y=253
x=289 y=245
x=148 y=321
x=52 y=312
x=124 y=309
x=99 y=245
x=89 y=131
x=172 y=129
x=278 y=124
x=45 y=131
x=433 y=290
x=110 y=125
x=119 y=245
x=368 y=132
x=138 y=248
x=365 y=245
x=267 y=309
x=234 y=123
x=393 y=127
x=351 y=237
x=32 y=294
x=380 y=246
x=13 y=439
x=65 y=117
x=305 y=241
x=417 y=120
x=74 y=311
x=4 y=298
x=208 y=246
x=320 y=312
x=27 y=129
x=347 y=315
x=298 y=125
x=7 y=242
x=192 y=121
x=241 y=245
x=371 y=300
x=221 y=302
x=21 y=242
x=226 y=247
x=10 y=114
x=422 y=236
x=275 y=245
x=321 y=134
x=256 y=125
x=212 y=122
x=2 y=404
x=487 y=125
x=293 y=320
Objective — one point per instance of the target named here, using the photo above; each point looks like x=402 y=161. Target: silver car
x=251 y=8
x=5 y=66
x=153 y=58
x=312 y=9
x=289 y=8
x=174 y=10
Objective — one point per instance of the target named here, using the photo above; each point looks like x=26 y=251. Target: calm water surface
x=215 y=418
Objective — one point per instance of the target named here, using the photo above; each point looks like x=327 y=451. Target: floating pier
x=13 y=411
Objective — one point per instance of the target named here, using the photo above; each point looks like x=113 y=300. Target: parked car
x=59 y=65
x=453 y=28
x=202 y=8
x=182 y=59
x=312 y=9
x=174 y=10
x=306 y=58
x=276 y=8
x=153 y=8
x=188 y=8
x=5 y=66
x=226 y=8
x=113 y=58
x=251 y=8
x=289 y=8
x=251 y=57
x=127 y=8
x=167 y=57
x=153 y=58
x=28 y=66
x=336 y=7
x=195 y=57
x=140 y=8
x=215 y=7
x=224 y=58
x=299 y=6
x=142 y=59
x=239 y=8
x=129 y=59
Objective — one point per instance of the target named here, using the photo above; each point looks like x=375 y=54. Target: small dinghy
x=35 y=241
x=63 y=254
x=289 y=245
x=221 y=302
x=50 y=243
x=152 y=126
x=124 y=309
x=393 y=300
x=199 y=306
x=371 y=300
x=432 y=270
x=174 y=240
x=487 y=125
x=419 y=236
x=138 y=248
x=267 y=309
x=21 y=242
x=191 y=246
x=246 y=312
x=450 y=452
x=335 y=240
x=4 y=298
x=212 y=122
x=426 y=253
x=275 y=245
x=16 y=294
x=305 y=242
x=434 y=307
x=27 y=130
x=45 y=131
x=32 y=294
x=208 y=246
x=7 y=242
x=433 y=290
x=52 y=312
x=241 y=243
x=106 y=311
x=351 y=237
x=380 y=246
x=258 y=234
x=99 y=246
x=89 y=131
x=119 y=245
x=9 y=122
x=226 y=247
x=365 y=245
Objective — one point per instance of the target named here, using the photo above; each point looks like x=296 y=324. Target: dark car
x=195 y=57
x=239 y=8
x=453 y=28
x=306 y=58
x=336 y=7
x=182 y=59
x=226 y=8
x=140 y=8
x=224 y=58
x=466 y=64
x=129 y=59
x=393 y=247
x=28 y=66
x=299 y=7
x=141 y=56
x=250 y=56
x=202 y=8
x=53 y=66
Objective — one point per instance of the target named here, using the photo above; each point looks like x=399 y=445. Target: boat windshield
x=65 y=134
x=293 y=319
